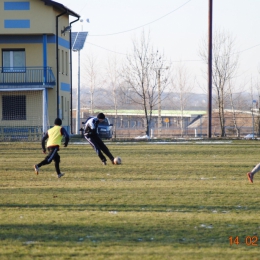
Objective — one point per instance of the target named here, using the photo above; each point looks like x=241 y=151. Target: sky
x=176 y=27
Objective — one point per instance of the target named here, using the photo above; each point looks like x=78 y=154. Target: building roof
x=60 y=7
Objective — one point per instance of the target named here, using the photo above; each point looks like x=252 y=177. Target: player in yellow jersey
x=54 y=136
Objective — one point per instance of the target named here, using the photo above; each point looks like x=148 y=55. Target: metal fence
x=134 y=126
x=26 y=76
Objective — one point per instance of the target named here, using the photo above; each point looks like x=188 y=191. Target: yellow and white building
x=35 y=69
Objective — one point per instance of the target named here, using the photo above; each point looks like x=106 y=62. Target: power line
x=110 y=34
x=106 y=48
x=247 y=49
x=174 y=60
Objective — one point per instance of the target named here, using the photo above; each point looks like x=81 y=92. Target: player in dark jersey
x=91 y=135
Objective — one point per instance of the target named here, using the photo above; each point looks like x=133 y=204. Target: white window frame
x=11 y=61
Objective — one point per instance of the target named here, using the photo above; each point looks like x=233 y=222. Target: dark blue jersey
x=91 y=126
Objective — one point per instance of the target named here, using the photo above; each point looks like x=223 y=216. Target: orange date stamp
x=249 y=240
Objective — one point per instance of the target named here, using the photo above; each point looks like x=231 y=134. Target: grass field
x=166 y=201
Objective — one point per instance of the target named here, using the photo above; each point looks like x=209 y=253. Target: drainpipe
x=57 y=59
x=71 y=78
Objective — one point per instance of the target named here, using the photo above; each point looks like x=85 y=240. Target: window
x=68 y=105
x=66 y=63
x=65 y=104
x=13 y=60
x=59 y=63
x=62 y=107
x=14 y=107
x=62 y=62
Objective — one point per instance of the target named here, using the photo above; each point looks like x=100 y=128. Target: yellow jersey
x=55 y=136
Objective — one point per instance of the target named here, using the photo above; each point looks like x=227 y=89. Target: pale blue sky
x=176 y=28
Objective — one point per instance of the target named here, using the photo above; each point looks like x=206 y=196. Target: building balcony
x=26 y=77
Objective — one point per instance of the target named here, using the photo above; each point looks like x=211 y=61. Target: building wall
x=31 y=16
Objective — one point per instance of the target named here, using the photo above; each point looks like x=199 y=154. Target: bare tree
x=236 y=101
x=254 y=106
x=257 y=86
x=91 y=77
x=113 y=73
x=182 y=86
x=224 y=65
x=140 y=75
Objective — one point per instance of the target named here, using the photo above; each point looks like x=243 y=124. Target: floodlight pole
x=77 y=46
x=71 y=112
x=78 y=95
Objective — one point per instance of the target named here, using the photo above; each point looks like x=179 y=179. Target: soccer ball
x=117 y=160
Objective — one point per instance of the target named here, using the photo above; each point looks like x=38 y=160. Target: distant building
x=243 y=120
x=35 y=74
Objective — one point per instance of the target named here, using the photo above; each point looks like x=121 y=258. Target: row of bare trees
x=135 y=80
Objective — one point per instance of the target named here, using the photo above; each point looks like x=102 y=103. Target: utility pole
x=159 y=104
x=210 y=68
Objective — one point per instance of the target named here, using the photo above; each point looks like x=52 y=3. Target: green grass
x=166 y=201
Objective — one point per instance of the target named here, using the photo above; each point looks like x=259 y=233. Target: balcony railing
x=26 y=76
